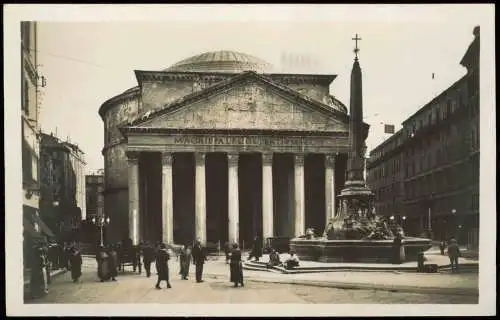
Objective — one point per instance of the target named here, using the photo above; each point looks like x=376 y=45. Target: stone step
x=262 y=266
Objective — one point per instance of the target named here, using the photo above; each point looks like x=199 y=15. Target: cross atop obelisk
x=356 y=49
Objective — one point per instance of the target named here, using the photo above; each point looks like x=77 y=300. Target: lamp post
x=100 y=222
x=455 y=231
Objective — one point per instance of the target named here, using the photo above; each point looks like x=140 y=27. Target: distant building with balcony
x=94 y=185
x=62 y=203
x=428 y=172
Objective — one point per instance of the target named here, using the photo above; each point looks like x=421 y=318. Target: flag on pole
x=389 y=128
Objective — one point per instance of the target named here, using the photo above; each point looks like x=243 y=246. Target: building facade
x=428 y=172
x=34 y=228
x=217 y=147
x=62 y=202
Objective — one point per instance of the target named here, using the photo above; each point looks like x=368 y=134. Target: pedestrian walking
x=113 y=262
x=453 y=254
x=148 y=257
x=235 y=266
x=199 y=258
x=256 y=251
x=103 y=269
x=162 y=258
x=76 y=264
x=442 y=246
x=185 y=261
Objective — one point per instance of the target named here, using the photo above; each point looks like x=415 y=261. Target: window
x=26 y=98
x=34 y=168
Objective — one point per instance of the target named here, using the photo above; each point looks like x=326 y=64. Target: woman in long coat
x=185 y=261
x=103 y=270
x=76 y=264
x=235 y=266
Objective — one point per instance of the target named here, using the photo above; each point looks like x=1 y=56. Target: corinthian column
x=133 y=196
x=233 y=199
x=167 y=199
x=201 y=199
x=299 y=195
x=329 y=187
x=267 y=196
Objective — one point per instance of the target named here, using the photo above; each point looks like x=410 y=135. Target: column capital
x=199 y=158
x=267 y=158
x=167 y=158
x=298 y=159
x=232 y=159
x=330 y=159
x=132 y=156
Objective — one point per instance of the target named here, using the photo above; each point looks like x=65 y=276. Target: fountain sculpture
x=356 y=233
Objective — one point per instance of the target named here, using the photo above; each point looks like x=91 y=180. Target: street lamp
x=391 y=217
x=100 y=223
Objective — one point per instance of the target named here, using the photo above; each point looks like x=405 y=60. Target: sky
x=86 y=63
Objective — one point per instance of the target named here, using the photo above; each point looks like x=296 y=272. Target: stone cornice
x=142 y=76
x=285 y=78
x=128 y=94
x=127 y=130
x=290 y=78
x=241 y=78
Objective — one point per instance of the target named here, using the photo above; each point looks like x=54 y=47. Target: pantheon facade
x=218 y=147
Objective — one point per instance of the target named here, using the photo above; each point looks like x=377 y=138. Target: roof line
x=220 y=85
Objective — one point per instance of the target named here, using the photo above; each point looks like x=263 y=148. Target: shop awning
x=43 y=227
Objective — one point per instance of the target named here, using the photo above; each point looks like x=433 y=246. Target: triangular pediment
x=248 y=102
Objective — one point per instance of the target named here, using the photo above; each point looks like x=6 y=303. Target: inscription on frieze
x=241 y=140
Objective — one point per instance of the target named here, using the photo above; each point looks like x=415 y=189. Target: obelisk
x=356 y=197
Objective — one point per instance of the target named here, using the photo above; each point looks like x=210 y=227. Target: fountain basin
x=369 y=251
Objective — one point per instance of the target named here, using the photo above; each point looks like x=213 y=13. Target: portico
x=230 y=185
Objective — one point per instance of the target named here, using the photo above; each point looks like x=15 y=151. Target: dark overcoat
x=235 y=267
x=162 y=258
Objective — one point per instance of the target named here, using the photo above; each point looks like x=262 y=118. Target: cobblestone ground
x=136 y=288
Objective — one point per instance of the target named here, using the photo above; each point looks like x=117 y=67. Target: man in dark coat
x=235 y=266
x=162 y=258
x=256 y=249
x=113 y=262
x=76 y=264
x=199 y=258
x=148 y=257
x=185 y=261
x=453 y=254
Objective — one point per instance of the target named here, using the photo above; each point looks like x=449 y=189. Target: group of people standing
x=51 y=256
x=161 y=256
x=107 y=263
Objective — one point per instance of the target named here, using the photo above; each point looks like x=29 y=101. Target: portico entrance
x=224 y=196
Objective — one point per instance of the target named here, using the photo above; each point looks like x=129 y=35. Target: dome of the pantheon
x=221 y=61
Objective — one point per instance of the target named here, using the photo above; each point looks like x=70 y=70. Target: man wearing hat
x=162 y=257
